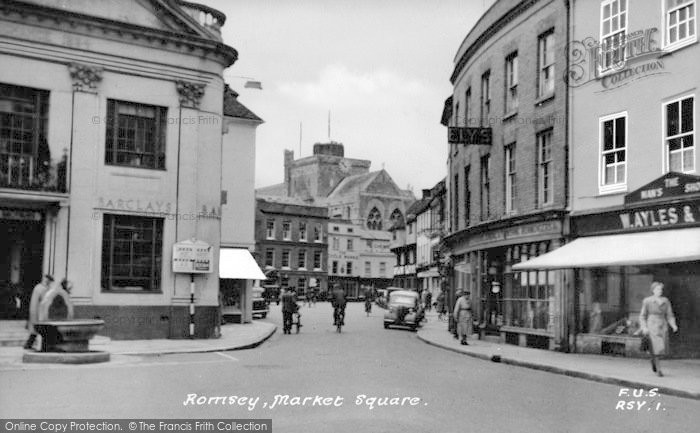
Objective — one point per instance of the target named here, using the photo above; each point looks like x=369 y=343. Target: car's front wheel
x=386 y=326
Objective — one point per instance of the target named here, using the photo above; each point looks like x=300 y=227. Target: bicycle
x=368 y=307
x=339 y=315
x=296 y=321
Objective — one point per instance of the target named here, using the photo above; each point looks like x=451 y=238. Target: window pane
x=620 y=132
x=672 y=119
x=609 y=175
x=608 y=135
x=675 y=162
x=620 y=173
x=688 y=156
x=687 y=115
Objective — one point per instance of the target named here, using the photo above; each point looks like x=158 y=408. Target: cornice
x=490 y=32
x=88 y=25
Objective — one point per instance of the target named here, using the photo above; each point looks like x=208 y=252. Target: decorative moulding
x=85 y=77
x=190 y=93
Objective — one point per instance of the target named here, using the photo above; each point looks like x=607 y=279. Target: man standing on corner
x=289 y=307
x=338 y=301
x=37 y=295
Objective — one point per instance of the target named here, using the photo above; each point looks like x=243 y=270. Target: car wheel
x=263 y=315
x=386 y=326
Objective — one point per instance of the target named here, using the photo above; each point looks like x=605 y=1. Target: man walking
x=289 y=307
x=37 y=295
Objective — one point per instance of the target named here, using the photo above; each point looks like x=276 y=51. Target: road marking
x=226 y=356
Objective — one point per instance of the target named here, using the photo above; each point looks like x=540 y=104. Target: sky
x=380 y=67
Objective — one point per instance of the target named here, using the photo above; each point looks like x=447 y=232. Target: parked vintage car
x=404 y=309
x=260 y=305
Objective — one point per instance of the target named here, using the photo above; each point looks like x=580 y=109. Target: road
x=436 y=390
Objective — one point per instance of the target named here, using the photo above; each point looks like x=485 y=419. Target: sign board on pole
x=193 y=257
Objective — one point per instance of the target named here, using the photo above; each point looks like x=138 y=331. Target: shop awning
x=664 y=246
x=428 y=274
x=238 y=263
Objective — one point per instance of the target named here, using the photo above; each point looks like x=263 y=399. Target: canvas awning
x=238 y=263
x=663 y=246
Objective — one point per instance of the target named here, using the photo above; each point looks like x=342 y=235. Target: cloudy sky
x=381 y=67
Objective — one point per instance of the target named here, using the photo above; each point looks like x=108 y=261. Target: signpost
x=461 y=135
x=192 y=257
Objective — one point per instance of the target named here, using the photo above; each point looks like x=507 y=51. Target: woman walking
x=654 y=319
x=463 y=316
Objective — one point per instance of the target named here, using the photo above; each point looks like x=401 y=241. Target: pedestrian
x=289 y=307
x=37 y=295
x=440 y=304
x=428 y=300
x=463 y=316
x=654 y=319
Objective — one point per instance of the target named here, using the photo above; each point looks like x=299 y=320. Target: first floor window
x=269 y=257
x=382 y=269
x=510 y=177
x=287 y=230
x=317 y=260
x=285 y=258
x=132 y=251
x=135 y=135
x=302 y=231
x=350 y=245
x=680 y=134
x=334 y=268
x=485 y=186
x=317 y=234
x=368 y=269
x=348 y=268
x=302 y=259
x=613 y=147
x=301 y=286
x=544 y=174
x=270 y=229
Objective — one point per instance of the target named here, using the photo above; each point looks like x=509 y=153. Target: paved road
x=450 y=392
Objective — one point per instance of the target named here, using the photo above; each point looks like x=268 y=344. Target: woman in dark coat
x=655 y=317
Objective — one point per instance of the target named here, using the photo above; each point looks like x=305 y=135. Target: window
x=485 y=97
x=545 y=55
x=25 y=156
x=510 y=177
x=336 y=228
x=350 y=230
x=467 y=196
x=317 y=234
x=374 y=219
x=368 y=269
x=544 y=168
x=348 y=268
x=302 y=259
x=680 y=23
x=286 y=230
x=613 y=148
x=396 y=217
x=529 y=303
x=350 y=246
x=301 y=286
x=512 y=83
x=455 y=206
x=369 y=242
x=302 y=231
x=336 y=244
x=680 y=135
x=132 y=250
x=317 y=260
x=485 y=186
x=467 y=106
x=270 y=229
x=613 y=26
x=456 y=119
x=382 y=269
x=285 y=258
x=334 y=267
x=135 y=135
x=269 y=257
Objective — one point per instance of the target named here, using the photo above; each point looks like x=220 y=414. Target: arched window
x=374 y=219
x=396 y=216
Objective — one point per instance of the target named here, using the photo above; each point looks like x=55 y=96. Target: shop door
x=682 y=290
x=21 y=260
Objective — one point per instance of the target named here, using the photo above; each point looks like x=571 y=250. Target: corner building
x=507 y=200
x=635 y=186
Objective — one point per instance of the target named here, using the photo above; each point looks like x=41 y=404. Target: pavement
x=233 y=337
x=681 y=376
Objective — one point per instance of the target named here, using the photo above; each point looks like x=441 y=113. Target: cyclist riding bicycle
x=338 y=301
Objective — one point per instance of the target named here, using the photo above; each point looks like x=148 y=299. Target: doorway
x=21 y=263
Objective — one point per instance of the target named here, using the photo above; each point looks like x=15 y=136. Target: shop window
x=545 y=180
x=545 y=55
x=680 y=23
x=613 y=28
x=135 y=135
x=613 y=153
x=511 y=82
x=680 y=135
x=529 y=303
x=132 y=250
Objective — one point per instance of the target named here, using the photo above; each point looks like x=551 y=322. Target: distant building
x=291 y=244
x=430 y=219
x=368 y=202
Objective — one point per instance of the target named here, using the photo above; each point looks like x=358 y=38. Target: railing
x=205 y=16
x=25 y=171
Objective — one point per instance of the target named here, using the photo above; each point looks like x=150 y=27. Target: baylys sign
x=460 y=135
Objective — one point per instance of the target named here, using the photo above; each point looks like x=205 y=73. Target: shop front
x=617 y=254
x=522 y=308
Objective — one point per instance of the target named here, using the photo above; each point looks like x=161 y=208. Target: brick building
x=507 y=200
x=291 y=243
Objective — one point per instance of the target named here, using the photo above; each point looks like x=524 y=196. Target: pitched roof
x=276 y=190
x=233 y=108
x=350 y=184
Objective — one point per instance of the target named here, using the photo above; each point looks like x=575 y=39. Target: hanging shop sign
x=671 y=185
x=192 y=257
x=461 y=135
